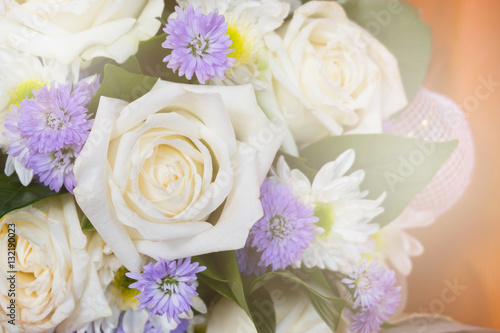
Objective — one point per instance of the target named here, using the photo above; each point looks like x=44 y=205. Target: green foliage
x=401 y=167
x=122 y=84
x=315 y=287
x=14 y=195
x=223 y=276
x=86 y=224
x=150 y=57
x=399 y=27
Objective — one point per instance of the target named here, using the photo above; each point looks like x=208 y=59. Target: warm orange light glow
x=463 y=245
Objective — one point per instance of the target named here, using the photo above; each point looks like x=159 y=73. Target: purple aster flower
x=369 y=319
x=249 y=261
x=55 y=118
x=48 y=131
x=167 y=287
x=55 y=168
x=283 y=233
x=368 y=283
x=182 y=327
x=199 y=43
x=375 y=296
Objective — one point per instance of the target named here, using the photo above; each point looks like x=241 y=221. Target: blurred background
x=463 y=245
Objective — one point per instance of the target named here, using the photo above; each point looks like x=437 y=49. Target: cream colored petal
x=92 y=194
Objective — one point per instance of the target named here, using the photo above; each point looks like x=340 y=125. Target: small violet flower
x=199 y=44
x=375 y=296
x=167 y=287
x=48 y=131
x=281 y=235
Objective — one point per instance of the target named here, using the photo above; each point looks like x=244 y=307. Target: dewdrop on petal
x=199 y=43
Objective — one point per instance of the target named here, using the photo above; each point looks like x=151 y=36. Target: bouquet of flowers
x=218 y=165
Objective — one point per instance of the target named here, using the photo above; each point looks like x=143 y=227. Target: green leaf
x=14 y=195
x=301 y=164
x=87 y=225
x=223 y=276
x=222 y=267
x=262 y=311
x=132 y=65
x=232 y=274
x=401 y=167
x=328 y=307
x=220 y=287
x=399 y=27
x=122 y=84
x=211 y=270
x=150 y=56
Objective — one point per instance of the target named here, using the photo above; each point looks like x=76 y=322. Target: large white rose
x=177 y=172
x=57 y=286
x=330 y=75
x=85 y=29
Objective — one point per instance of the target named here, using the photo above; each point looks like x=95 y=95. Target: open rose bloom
x=168 y=174
x=330 y=76
x=54 y=276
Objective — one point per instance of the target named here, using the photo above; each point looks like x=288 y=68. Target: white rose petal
x=79 y=29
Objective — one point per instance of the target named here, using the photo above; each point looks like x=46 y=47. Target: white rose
x=330 y=75
x=85 y=29
x=177 y=172
x=57 y=286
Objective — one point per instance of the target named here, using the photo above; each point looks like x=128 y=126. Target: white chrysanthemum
x=19 y=74
x=395 y=246
x=248 y=22
x=344 y=213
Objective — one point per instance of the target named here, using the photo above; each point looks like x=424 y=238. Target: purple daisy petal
x=48 y=131
x=282 y=234
x=182 y=327
x=199 y=44
x=375 y=296
x=55 y=118
x=167 y=287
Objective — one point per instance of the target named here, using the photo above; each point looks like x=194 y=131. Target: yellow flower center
x=244 y=43
x=122 y=294
x=324 y=211
x=380 y=247
x=24 y=90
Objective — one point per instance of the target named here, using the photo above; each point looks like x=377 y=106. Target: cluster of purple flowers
x=48 y=131
x=167 y=287
x=375 y=296
x=281 y=235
